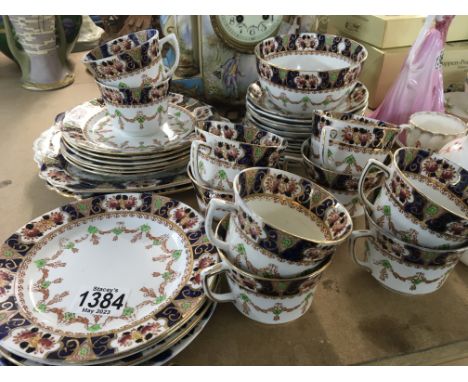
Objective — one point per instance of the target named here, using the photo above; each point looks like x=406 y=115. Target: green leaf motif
x=386 y=210
x=158 y=204
x=244 y=297
x=92 y=229
x=277 y=311
x=145 y=228
x=350 y=160
x=118 y=113
x=128 y=311
x=160 y=299
x=94 y=328
x=117 y=231
x=240 y=249
x=45 y=284
x=282 y=285
x=386 y=264
x=41 y=308
x=167 y=275
x=222 y=174
x=40 y=263
x=70 y=245
x=68 y=316
x=8 y=253
x=81 y=207
x=176 y=254
x=432 y=210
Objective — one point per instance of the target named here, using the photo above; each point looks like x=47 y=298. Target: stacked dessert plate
x=113 y=279
x=81 y=155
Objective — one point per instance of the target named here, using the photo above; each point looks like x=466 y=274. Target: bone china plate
x=101 y=278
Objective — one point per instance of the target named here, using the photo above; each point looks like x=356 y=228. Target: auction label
x=100 y=301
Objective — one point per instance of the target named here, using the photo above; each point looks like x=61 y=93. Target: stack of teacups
x=222 y=150
x=133 y=80
x=301 y=73
x=338 y=151
x=281 y=233
x=418 y=220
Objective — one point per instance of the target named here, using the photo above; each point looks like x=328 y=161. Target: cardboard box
x=455 y=65
x=380 y=71
x=383 y=32
x=391 y=31
x=458 y=30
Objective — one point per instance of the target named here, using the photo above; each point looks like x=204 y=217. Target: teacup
x=204 y=194
x=304 y=72
x=456 y=151
x=227 y=148
x=343 y=186
x=266 y=300
x=431 y=130
x=287 y=215
x=137 y=111
x=423 y=199
x=341 y=157
x=244 y=253
x=132 y=58
x=400 y=266
x=355 y=130
x=213 y=132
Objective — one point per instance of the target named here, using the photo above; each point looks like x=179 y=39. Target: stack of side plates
x=113 y=279
x=81 y=155
x=266 y=116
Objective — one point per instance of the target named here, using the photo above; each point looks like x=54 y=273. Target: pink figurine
x=419 y=86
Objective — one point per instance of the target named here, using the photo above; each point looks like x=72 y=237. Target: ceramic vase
x=39 y=45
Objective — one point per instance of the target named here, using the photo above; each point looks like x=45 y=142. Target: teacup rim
x=87 y=61
x=313 y=274
x=404 y=243
x=403 y=175
x=159 y=83
x=352 y=64
x=333 y=115
x=240 y=201
x=282 y=145
x=444 y=115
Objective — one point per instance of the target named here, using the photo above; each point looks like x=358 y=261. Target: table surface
x=353 y=319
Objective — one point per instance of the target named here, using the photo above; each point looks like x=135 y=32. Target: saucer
x=89 y=127
x=257 y=100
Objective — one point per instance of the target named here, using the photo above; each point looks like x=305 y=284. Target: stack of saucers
x=261 y=112
x=222 y=150
x=301 y=73
x=280 y=235
x=136 y=137
x=418 y=219
x=338 y=150
x=113 y=280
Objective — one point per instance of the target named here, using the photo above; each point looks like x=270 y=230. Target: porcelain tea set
x=271 y=232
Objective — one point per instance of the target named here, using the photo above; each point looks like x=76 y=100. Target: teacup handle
x=352 y=246
x=290 y=158
x=214 y=205
x=194 y=160
x=214 y=270
x=370 y=163
x=404 y=133
x=171 y=39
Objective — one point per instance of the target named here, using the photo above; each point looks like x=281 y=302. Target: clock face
x=243 y=32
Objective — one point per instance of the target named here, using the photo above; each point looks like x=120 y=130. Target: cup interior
x=438 y=123
x=310 y=62
x=291 y=204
